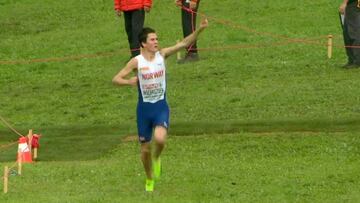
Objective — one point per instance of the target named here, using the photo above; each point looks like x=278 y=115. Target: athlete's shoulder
x=133 y=63
x=161 y=53
x=138 y=57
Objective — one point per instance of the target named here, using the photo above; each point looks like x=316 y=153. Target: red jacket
x=128 y=5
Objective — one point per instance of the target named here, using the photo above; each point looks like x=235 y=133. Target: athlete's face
x=152 y=42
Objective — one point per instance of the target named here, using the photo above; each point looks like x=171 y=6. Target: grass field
x=260 y=118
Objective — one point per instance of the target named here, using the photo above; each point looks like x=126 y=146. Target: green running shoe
x=157 y=168
x=149 y=185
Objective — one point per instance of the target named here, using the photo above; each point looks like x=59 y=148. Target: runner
x=152 y=108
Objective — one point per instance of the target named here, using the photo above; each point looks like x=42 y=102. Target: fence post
x=330 y=44
x=6 y=179
x=30 y=136
x=35 y=153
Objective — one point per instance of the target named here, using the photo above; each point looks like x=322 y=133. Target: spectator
x=351 y=31
x=134 y=15
x=188 y=19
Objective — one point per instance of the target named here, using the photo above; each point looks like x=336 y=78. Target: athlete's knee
x=160 y=135
x=160 y=140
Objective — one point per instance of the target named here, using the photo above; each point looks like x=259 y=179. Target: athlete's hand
x=133 y=81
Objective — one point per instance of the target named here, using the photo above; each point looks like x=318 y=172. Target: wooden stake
x=30 y=136
x=330 y=44
x=20 y=163
x=6 y=179
x=178 y=54
x=35 y=153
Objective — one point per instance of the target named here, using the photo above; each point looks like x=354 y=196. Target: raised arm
x=120 y=78
x=185 y=42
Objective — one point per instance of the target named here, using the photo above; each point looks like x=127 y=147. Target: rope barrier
x=13 y=166
x=61 y=59
x=9 y=126
x=247 y=29
x=314 y=41
x=79 y=57
x=2 y=147
x=247 y=46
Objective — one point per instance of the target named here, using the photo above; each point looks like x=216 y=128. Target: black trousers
x=134 y=22
x=352 y=32
x=189 y=23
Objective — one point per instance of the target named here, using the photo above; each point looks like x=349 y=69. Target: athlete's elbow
x=115 y=81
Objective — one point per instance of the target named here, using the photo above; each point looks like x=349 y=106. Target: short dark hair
x=144 y=34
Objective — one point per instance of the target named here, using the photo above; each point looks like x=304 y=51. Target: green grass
x=266 y=124
x=273 y=167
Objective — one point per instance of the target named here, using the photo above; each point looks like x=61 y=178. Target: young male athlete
x=152 y=108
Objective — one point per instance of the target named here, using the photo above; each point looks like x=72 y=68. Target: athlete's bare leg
x=160 y=133
x=146 y=159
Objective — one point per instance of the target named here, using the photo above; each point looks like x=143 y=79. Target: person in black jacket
x=351 y=31
x=189 y=10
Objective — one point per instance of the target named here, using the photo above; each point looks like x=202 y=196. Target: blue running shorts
x=150 y=115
